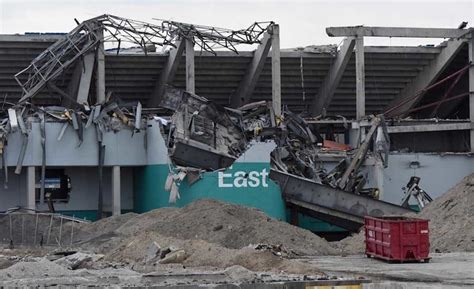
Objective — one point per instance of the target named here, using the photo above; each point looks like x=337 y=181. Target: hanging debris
x=205 y=135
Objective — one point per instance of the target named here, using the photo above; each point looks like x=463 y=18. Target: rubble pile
x=210 y=233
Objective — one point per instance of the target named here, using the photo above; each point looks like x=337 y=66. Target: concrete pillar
x=276 y=71
x=190 y=79
x=471 y=88
x=360 y=78
x=100 y=71
x=378 y=176
x=30 y=188
x=116 y=191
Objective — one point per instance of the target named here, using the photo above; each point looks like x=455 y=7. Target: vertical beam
x=249 y=81
x=360 y=78
x=190 y=79
x=331 y=82
x=167 y=73
x=276 y=71
x=86 y=77
x=30 y=188
x=116 y=191
x=379 y=177
x=100 y=70
x=471 y=88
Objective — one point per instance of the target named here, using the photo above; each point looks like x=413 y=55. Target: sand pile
x=352 y=245
x=33 y=269
x=452 y=218
x=212 y=233
x=451 y=222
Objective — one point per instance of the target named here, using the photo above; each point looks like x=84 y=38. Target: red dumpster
x=397 y=238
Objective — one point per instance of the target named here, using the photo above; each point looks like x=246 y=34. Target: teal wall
x=265 y=195
x=150 y=193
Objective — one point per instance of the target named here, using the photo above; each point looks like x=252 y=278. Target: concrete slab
x=447 y=270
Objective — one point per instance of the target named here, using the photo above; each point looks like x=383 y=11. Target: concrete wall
x=123 y=148
x=438 y=172
x=84 y=192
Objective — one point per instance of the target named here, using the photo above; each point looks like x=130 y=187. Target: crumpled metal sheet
x=205 y=135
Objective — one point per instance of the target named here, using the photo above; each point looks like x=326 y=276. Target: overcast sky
x=302 y=23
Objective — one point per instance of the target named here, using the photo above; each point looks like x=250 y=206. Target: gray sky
x=302 y=23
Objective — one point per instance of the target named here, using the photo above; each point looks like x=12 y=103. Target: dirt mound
x=230 y=226
x=352 y=245
x=40 y=268
x=199 y=253
x=212 y=233
x=452 y=218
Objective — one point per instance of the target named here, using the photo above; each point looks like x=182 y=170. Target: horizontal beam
x=31 y=37
x=429 y=127
x=359 y=31
x=403 y=49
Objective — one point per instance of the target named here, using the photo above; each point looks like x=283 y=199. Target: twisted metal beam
x=87 y=36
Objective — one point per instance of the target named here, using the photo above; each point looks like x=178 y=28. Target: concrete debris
x=207 y=136
x=76 y=260
x=152 y=252
x=177 y=256
x=277 y=250
x=319 y=49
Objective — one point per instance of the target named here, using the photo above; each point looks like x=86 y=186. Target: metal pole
x=30 y=188
x=36 y=229
x=49 y=230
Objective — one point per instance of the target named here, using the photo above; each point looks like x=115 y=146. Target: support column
x=30 y=188
x=116 y=191
x=378 y=176
x=360 y=78
x=100 y=70
x=276 y=71
x=190 y=86
x=471 y=88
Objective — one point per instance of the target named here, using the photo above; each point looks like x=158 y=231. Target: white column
x=360 y=78
x=276 y=71
x=116 y=191
x=190 y=80
x=100 y=71
x=30 y=188
x=378 y=176
x=471 y=88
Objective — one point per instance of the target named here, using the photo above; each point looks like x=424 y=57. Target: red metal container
x=397 y=238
